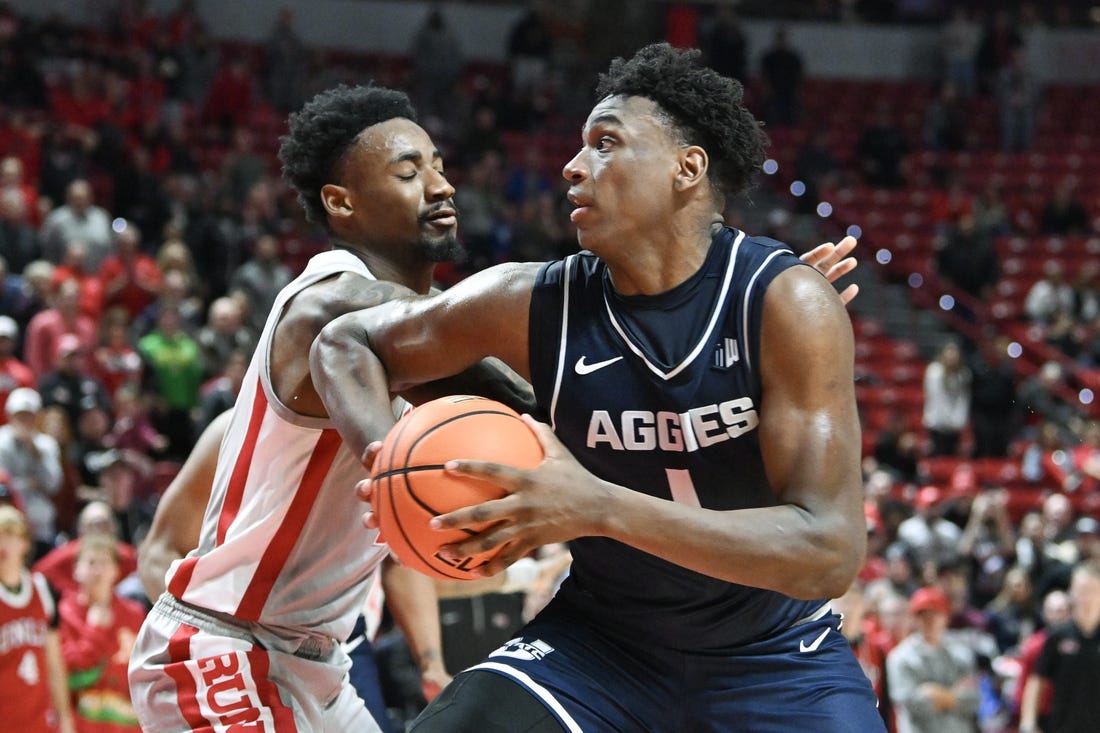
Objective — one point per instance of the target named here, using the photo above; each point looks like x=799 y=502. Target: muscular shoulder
x=799 y=293
x=315 y=306
x=804 y=321
x=342 y=294
x=493 y=293
x=301 y=322
x=513 y=276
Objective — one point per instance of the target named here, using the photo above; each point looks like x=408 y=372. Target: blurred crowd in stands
x=144 y=233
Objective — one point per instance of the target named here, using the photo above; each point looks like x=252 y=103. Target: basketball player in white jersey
x=175 y=531
x=248 y=631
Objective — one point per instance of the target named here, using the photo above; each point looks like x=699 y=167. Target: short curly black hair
x=323 y=130
x=704 y=107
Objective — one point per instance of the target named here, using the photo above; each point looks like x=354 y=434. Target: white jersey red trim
x=282 y=543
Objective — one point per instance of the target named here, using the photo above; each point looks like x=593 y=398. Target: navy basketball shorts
x=802 y=679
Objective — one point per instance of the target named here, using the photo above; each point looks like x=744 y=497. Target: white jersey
x=282 y=543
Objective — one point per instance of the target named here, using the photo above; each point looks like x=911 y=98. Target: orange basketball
x=411 y=487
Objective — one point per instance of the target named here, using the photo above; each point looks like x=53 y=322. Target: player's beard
x=443 y=248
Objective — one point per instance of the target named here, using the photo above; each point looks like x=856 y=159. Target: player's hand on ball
x=554 y=502
x=364 y=489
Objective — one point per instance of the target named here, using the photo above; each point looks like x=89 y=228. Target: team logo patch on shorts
x=531 y=651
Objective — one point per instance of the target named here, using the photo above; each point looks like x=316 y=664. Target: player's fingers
x=501 y=541
x=507 y=477
x=841 y=269
x=509 y=555
x=459 y=554
x=551 y=446
x=849 y=293
x=371 y=452
x=497 y=565
x=818 y=254
x=364 y=491
x=845 y=246
x=473 y=518
x=370 y=520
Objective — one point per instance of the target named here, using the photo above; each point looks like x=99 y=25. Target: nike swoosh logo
x=812 y=647
x=582 y=368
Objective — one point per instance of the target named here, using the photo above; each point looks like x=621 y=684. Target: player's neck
x=415 y=276
x=658 y=264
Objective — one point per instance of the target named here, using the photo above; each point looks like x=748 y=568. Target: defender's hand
x=834 y=262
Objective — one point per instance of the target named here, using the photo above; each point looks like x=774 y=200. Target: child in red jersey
x=98 y=628
x=32 y=673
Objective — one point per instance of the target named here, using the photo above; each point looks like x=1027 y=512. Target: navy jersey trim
x=745 y=311
x=563 y=341
x=704 y=340
x=544 y=695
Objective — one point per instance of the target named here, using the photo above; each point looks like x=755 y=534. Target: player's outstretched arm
x=808 y=546
x=178 y=519
x=403 y=344
x=489 y=377
x=411 y=598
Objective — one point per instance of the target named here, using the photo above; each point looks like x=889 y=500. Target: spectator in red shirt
x=12 y=178
x=129 y=278
x=117 y=362
x=45 y=330
x=1055 y=610
x=949 y=201
x=133 y=429
x=98 y=628
x=78 y=100
x=1086 y=457
x=231 y=95
x=75 y=266
x=859 y=631
x=58 y=565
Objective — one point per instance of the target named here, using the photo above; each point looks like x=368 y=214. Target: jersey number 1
x=683 y=490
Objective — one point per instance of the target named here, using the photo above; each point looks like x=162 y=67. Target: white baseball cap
x=23 y=399
x=8 y=327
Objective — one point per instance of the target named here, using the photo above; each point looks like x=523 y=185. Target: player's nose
x=576 y=169
x=439 y=188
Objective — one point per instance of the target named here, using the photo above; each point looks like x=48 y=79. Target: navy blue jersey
x=668 y=406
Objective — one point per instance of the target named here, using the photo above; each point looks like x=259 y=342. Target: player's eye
x=603 y=144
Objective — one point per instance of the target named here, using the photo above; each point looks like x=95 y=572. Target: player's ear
x=692 y=167
x=336 y=200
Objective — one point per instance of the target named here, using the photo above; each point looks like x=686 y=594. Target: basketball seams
x=423 y=436
x=391 y=477
x=408 y=542
x=404 y=501
x=407 y=469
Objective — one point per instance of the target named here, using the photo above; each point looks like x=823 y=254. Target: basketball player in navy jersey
x=702 y=452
